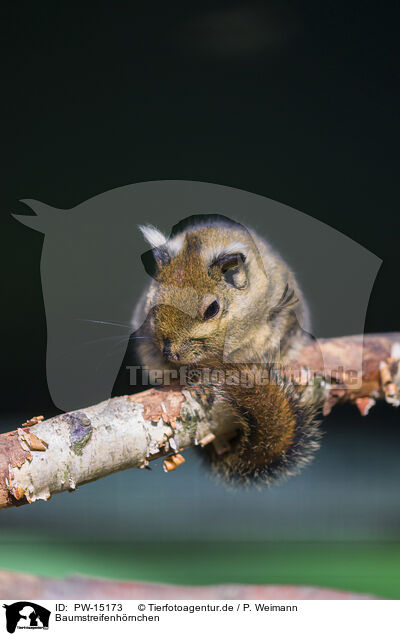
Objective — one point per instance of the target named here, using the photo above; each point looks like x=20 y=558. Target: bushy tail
x=278 y=430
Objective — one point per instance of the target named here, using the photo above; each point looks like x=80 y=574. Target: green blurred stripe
x=372 y=568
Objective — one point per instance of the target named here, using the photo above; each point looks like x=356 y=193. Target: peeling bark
x=81 y=446
x=46 y=457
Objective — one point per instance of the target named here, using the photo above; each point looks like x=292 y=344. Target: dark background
x=297 y=101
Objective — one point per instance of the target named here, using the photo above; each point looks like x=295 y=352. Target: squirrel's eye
x=211 y=310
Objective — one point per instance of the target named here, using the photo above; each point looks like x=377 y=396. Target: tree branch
x=46 y=457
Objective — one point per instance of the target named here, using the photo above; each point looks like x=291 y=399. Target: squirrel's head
x=201 y=284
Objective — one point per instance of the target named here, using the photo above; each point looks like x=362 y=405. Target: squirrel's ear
x=153 y=236
x=153 y=260
x=232 y=269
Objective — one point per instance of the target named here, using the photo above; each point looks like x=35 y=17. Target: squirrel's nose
x=167 y=352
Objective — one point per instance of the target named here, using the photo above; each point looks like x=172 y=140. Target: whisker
x=113 y=340
x=118 y=339
x=105 y=322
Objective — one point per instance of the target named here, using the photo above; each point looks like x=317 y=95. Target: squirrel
x=221 y=297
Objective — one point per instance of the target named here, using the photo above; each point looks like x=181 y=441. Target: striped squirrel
x=221 y=297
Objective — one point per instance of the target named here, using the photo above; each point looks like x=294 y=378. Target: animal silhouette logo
x=92 y=275
x=26 y=615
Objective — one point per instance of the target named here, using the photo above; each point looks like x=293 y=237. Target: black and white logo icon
x=26 y=615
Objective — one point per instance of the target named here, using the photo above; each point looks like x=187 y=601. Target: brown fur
x=260 y=306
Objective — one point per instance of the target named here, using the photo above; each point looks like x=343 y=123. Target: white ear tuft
x=153 y=236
